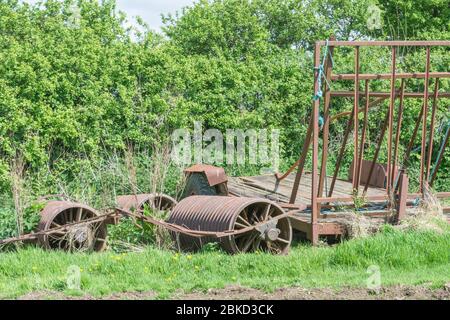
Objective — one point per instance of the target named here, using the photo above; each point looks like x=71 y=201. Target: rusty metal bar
x=424 y=124
x=411 y=196
x=326 y=125
x=315 y=155
x=441 y=156
x=355 y=120
x=402 y=197
x=416 y=95
x=300 y=163
x=390 y=121
x=347 y=113
x=363 y=134
x=377 y=152
x=341 y=155
x=431 y=137
x=387 y=76
x=344 y=144
x=413 y=137
x=399 y=126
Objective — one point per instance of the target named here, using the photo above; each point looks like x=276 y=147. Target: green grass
x=404 y=258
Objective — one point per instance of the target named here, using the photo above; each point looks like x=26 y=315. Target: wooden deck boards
x=264 y=187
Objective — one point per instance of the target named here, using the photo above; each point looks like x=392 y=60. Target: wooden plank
x=263 y=187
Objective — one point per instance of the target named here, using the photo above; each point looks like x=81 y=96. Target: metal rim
x=82 y=237
x=155 y=201
x=275 y=239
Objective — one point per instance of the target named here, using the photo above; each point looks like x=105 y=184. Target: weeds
x=428 y=215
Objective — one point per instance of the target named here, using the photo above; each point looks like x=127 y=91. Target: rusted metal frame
x=413 y=138
x=372 y=104
x=363 y=133
x=338 y=206
x=350 y=200
x=386 y=43
x=439 y=160
x=387 y=76
x=341 y=155
x=402 y=197
x=424 y=123
x=413 y=95
x=443 y=195
x=315 y=154
x=399 y=126
x=390 y=121
x=326 y=125
x=344 y=144
x=372 y=214
x=377 y=152
x=431 y=137
x=300 y=163
x=355 y=121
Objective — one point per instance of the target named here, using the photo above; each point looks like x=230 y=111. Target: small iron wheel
x=80 y=237
x=273 y=236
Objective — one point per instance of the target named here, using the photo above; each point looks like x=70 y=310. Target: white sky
x=149 y=10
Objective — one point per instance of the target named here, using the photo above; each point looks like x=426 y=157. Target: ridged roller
x=218 y=213
x=137 y=202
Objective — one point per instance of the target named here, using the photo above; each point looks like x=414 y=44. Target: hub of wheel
x=269 y=231
x=80 y=234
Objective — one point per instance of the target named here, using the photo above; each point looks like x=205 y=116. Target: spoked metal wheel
x=89 y=236
x=272 y=235
x=160 y=202
x=228 y=214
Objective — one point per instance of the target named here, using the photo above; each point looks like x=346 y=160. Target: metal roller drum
x=157 y=201
x=220 y=214
x=83 y=236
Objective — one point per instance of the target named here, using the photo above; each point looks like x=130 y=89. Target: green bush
x=77 y=93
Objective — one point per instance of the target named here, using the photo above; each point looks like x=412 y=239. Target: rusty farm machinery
x=245 y=214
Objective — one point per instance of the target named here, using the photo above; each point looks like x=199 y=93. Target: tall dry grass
x=428 y=215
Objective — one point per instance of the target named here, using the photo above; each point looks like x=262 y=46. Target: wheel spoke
x=266 y=212
x=283 y=240
x=155 y=204
x=71 y=215
x=249 y=242
x=79 y=214
x=240 y=225
x=244 y=221
x=55 y=224
x=53 y=237
x=255 y=216
x=245 y=215
x=65 y=217
x=257 y=244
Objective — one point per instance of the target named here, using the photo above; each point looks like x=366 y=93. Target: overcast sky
x=149 y=10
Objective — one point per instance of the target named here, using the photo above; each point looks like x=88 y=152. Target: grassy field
x=404 y=257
